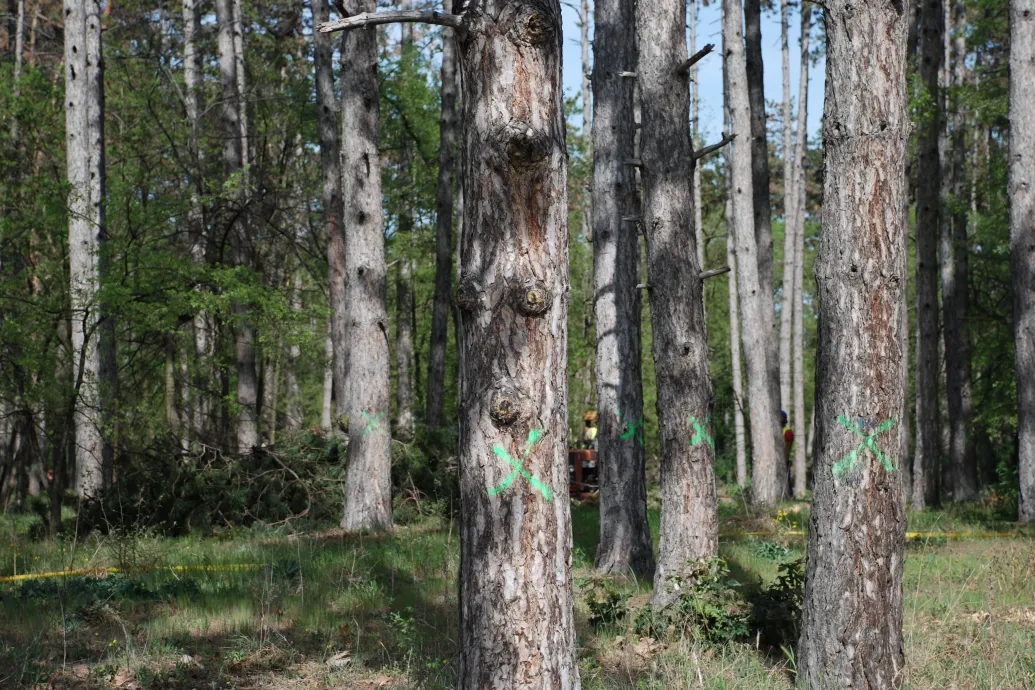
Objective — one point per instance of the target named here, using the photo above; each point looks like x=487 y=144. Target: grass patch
x=327 y=609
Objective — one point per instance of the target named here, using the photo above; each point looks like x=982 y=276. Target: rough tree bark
x=689 y=521
x=928 y=212
x=516 y=613
x=625 y=542
x=956 y=283
x=435 y=403
x=787 y=306
x=1022 y=237
x=798 y=222
x=368 y=487
x=92 y=331
x=294 y=412
x=756 y=297
x=330 y=162
x=243 y=251
x=852 y=612
x=760 y=202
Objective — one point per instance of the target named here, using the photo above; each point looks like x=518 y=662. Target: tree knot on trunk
x=528 y=23
x=525 y=145
x=531 y=298
x=468 y=295
x=507 y=406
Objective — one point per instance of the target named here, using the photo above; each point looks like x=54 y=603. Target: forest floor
x=270 y=609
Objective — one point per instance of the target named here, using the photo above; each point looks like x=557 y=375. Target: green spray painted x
x=533 y=437
x=701 y=434
x=631 y=429
x=850 y=462
x=373 y=423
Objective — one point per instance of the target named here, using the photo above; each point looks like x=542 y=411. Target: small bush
x=708 y=605
x=776 y=610
x=769 y=550
x=607 y=606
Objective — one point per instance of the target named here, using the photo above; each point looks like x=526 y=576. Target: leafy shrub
x=776 y=611
x=607 y=606
x=708 y=605
x=769 y=550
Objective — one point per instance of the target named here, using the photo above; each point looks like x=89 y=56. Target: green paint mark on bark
x=533 y=437
x=373 y=424
x=701 y=434
x=630 y=429
x=850 y=462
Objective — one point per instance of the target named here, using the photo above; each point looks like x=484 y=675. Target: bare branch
x=714 y=272
x=634 y=162
x=684 y=69
x=627 y=75
x=395 y=17
x=726 y=138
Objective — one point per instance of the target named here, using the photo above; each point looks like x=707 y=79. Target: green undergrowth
x=320 y=608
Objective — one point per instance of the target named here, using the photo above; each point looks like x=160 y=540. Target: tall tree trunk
x=956 y=284
x=435 y=404
x=517 y=627
x=404 y=352
x=768 y=481
x=788 y=306
x=1022 y=233
x=270 y=394
x=797 y=223
x=19 y=47
x=761 y=205
x=330 y=162
x=405 y=363
x=625 y=542
x=234 y=161
x=689 y=519
x=368 y=487
x=192 y=60
x=928 y=212
x=294 y=412
x=852 y=611
x=738 y=385
x=92 y=330
x=327 y=409
x=695 y=125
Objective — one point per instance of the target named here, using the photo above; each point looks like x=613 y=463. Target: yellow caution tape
x=109 y=571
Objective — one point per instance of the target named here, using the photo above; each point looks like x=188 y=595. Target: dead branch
x=394 y=17
x=726 y=138
x=684 y=69
x=714 y=272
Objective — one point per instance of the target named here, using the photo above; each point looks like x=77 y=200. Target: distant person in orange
x=788 y=448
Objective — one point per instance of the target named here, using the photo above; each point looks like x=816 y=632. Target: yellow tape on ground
x=109 y=571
